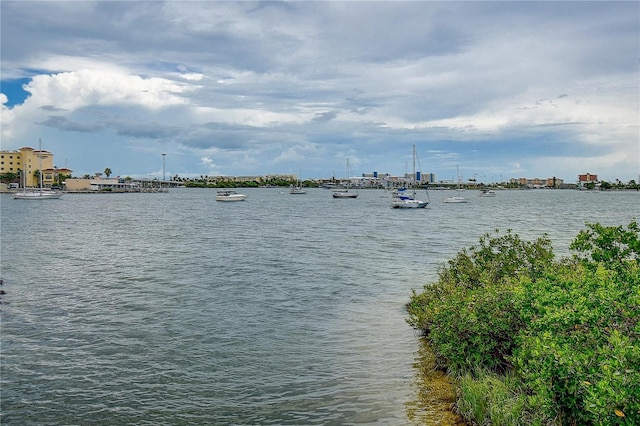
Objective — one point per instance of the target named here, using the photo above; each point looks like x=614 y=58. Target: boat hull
x=230 y=195
x=237 y=197
x=37 y=196
x=344 y=195
x=409 y=204
x=454 y=200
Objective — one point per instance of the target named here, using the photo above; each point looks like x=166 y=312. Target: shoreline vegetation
x=158 y=188
x=528 y=339
x=9 y=181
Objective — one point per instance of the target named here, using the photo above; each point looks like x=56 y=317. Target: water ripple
x=175 y=309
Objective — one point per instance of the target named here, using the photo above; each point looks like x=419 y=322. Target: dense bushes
x=469 y=314
x=562 y=337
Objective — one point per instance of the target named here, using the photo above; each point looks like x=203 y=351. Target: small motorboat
x=344 y=194
x=488 y=193
x=229 y=195
x=455 y=199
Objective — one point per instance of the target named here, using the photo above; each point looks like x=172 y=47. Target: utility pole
x=163 y=175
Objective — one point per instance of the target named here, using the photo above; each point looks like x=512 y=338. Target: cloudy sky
x=499 y=89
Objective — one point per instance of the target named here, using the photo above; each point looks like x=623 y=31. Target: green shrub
x=580 y=354
x=617 y=247
x=568 y=331
x=496 y=260
x=468 y=315
x=475 y=329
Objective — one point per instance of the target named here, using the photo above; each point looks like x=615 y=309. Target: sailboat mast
x=346 y=172
x=40 y=158
x=413 y=177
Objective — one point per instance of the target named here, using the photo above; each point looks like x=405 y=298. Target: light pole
x=163 y=175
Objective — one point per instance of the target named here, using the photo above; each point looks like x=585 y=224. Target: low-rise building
x=101 y=185
x=587 y=178
x=552 y=182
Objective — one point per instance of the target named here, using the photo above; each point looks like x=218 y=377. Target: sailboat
x=344 y=193
x=40 y=194
x=297 y=189
x=456 y=198
x=403 y=200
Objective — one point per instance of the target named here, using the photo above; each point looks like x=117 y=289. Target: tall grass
x=487 y=398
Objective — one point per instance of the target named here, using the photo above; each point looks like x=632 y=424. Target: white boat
x=456 y=198
x=36 y=194
x=297 y=189
x=344 y=192
x=229 y=195
x=408 y=203
x=402 y=199
x=487 y=193
x=328 y=185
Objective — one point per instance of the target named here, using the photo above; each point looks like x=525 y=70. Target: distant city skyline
x=369 y=173
x=153 y=89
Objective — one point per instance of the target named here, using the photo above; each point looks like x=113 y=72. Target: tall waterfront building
x=27 y=160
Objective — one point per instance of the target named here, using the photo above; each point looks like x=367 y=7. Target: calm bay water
x=284 y=309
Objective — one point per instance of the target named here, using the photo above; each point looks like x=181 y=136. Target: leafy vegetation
x=206 y=182
x=9 y=177
x=539 y=341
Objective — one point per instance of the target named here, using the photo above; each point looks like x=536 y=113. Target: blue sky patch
x=13 y=89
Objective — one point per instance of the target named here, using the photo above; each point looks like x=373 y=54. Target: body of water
x=172 y=308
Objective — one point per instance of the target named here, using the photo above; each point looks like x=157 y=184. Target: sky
x=497 y=90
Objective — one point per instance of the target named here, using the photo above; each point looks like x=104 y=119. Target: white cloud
x=68 y=92
x=76 y=89
x=191 y=76
x=207 y=162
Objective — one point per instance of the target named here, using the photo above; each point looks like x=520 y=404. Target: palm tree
x=107 y=172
